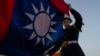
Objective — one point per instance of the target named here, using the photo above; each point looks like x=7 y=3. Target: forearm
x=76 y=14
x=55 y=48
x=78 y=18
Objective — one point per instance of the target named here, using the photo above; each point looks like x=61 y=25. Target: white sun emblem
x=42 y=24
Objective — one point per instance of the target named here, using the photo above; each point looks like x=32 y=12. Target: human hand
x=46 y=53
x=70 y=6
x=64 y=44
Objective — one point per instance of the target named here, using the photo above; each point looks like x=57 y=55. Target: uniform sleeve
x=78 y=19
x=55 y=48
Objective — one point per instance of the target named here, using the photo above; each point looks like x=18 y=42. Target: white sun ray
x=52 y=30
x=33 y=35
x=30 y=26
x=52 y=16
x=49 y=37
x=48 y=9
x=38 y=40
x=35 y=9
x=52 y=23
x=43 y=41
x=42 y=8
x=30 y=16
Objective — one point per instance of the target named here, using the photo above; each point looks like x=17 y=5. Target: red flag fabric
x=6 y=8
x=61 y=5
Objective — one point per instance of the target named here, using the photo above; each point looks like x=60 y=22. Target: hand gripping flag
x=61 y=6
x=28 y=27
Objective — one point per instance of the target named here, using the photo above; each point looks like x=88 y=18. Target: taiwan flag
x=29 y=27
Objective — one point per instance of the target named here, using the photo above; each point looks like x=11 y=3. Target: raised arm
x=78 y=19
